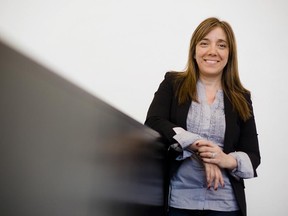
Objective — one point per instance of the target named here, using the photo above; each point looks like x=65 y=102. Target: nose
x=212 y=50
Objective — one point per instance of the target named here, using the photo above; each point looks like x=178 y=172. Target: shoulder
x=173 y=78
x=171 y=75
x=174 y=74
x=169 y=84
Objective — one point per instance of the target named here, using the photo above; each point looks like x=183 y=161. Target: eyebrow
x=219 y=40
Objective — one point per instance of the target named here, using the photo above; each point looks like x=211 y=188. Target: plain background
x=119 y=51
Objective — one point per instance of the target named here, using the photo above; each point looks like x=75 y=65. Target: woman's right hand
x=213 y=176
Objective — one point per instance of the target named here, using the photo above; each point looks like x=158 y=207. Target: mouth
x=211 y=61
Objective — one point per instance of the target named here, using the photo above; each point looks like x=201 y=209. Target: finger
x=219 y=178
x=202 y=143
x=208 y=176
x=222 y=181
x=211 y=177
x=216 y=182
x=209 y=160
x=207 y=155
x=205 y=149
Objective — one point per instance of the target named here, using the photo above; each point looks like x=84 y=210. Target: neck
x=211 y=86
x=211 y=82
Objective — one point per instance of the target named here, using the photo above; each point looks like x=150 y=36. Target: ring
x=213 y=154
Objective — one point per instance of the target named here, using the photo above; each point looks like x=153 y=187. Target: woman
x=206 y=116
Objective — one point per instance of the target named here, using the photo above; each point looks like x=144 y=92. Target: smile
x=211 y=61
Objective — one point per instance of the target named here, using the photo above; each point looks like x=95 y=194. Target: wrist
x=231 y=162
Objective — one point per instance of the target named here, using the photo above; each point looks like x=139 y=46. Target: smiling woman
x=206 y=117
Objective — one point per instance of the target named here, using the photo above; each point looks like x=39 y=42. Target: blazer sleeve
x=159 y=112
x=248 y=139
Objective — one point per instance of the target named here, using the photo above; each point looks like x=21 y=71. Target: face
x=212 y=53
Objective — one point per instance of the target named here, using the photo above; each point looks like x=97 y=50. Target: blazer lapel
x=231 y=118
x=182 y=113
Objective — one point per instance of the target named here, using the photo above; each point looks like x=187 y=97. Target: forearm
x=185 y=139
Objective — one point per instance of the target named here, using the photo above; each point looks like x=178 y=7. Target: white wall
x=120 y=50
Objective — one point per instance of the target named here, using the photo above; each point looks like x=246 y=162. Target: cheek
x=225 y=57
x=198 y=55
x=198 y=59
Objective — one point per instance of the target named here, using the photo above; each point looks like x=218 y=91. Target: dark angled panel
x=65 y=152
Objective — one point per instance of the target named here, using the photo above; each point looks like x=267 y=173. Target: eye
x=222 y=45
x=203 y=43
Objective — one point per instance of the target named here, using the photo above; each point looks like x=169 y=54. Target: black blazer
x=165 y=113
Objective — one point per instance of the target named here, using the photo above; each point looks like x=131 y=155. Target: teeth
x=211 y=61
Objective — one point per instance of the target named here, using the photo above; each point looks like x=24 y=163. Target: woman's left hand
x=212 y=153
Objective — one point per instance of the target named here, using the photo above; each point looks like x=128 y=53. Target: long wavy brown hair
x=231 y=83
